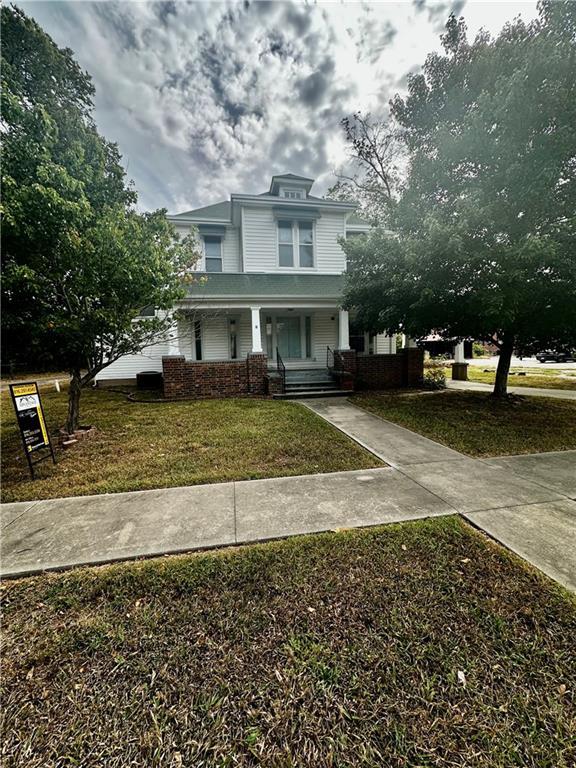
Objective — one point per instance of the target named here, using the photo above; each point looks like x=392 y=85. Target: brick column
x=257 y=369
x=345 y=360
x=412 y=366
x=174 y=370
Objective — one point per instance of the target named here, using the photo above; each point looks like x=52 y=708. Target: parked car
x=554 y=356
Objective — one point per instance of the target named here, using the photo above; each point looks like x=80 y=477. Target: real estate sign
x=31 y=421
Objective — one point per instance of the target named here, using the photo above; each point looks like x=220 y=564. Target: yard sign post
x=30 y=416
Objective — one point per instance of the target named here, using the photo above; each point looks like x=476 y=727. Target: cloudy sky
x=209 y=98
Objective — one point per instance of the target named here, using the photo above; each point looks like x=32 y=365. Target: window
x=295 y=232
x=292 y=194
x=213 y=253
x=147 y=311
x=308 y=334
x=197 y=340
x=285 y=244
x=306 y=242
x=233 y=333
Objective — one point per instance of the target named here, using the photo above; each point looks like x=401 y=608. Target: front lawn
x=547 y=378
x=420 y=644
x=478 y=424
x=155 y=445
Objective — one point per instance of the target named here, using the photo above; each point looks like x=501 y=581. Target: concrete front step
x=329 y=384
x=309 y=393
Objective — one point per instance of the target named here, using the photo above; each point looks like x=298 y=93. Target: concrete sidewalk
x=527 y=502
x=477 y=386
x=57 y=533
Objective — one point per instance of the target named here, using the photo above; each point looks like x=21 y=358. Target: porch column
x=408 y=342
x=343 y=330
x=256 y=334
x=459 y=366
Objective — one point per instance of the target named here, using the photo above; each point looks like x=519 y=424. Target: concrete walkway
x=477 y=386
x=526 y=502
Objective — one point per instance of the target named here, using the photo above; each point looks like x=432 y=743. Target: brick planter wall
x=404 y=369
x=380 y=371
x=205 y=379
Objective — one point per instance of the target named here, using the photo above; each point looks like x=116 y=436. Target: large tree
x=484 y=241
x=79 y=262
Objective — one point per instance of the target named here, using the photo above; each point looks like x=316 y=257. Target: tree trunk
x=74 y=391
x=503 y=369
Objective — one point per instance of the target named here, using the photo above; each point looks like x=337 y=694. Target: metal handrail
x=281 y=369
x=329 y=357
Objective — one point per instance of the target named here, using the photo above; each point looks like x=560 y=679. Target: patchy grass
x=547 y=378
x=157 y=445
x=420 y=644
x=479 y=425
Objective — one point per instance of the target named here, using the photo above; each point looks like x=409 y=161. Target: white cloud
x=208 y=98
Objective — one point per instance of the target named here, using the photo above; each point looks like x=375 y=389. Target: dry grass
x=546 y=378
x=420 y=644
x=157 y=445
x=478 y=424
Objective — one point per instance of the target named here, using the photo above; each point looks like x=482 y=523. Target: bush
x=434 y=375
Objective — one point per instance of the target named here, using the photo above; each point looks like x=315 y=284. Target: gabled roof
x=216 y=211
x=292 y=177
x=257 y=284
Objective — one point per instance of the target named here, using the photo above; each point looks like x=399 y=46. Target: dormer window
x=292 y=194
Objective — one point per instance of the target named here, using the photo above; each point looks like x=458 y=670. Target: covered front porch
x=296 y=336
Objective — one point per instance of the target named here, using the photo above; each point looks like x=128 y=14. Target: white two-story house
x=273 y=267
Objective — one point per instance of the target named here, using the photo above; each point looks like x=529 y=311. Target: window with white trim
x=292 y=194
x=213 y=253
x=285 y=244
x=295 y=238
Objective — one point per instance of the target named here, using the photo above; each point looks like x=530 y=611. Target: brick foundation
x=184 y=379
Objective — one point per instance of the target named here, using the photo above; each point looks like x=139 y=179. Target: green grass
x=156 y=445
x=420 y=644
x=547 y=378
x=479 y=425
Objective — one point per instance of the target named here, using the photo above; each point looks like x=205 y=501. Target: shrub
x=434 y=375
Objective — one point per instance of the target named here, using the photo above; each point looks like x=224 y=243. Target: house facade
x=267 y=297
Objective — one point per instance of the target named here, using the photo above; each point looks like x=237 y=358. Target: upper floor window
x=213 y=253
x=292 y=194
x=295 y=239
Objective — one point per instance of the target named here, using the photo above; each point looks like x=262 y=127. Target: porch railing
x=333 y=361
x=281 y=369
x=329 y=357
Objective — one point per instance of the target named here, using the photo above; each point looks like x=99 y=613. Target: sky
x=205 y=99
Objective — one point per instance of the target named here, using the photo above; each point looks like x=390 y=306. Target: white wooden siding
x=324 y=334
x=329 y=256
x=128 y=366
x=384 y=345
x=260 y=243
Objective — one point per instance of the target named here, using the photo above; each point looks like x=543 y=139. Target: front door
x=288 y=337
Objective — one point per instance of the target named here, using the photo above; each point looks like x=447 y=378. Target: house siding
x=260 y=242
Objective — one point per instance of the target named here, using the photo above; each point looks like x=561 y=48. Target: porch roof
x=266 y=285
